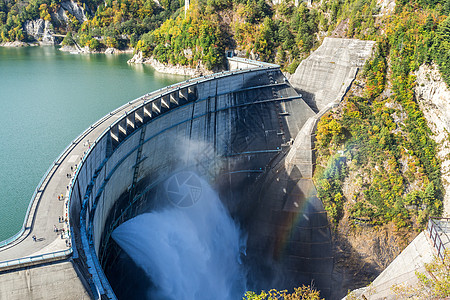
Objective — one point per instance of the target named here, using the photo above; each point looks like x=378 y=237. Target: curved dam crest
x=250 y=135
x=233 y=122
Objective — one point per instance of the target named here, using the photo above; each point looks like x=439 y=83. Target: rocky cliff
x=387 y=7
x=433 y=96
x=72 y=8
x=40 y=30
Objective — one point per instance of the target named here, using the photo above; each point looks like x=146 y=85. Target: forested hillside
x=281 y=33
x=377 y=169
x=386 y=144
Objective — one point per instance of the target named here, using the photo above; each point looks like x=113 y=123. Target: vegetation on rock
x=381 y=132
x=300 y=293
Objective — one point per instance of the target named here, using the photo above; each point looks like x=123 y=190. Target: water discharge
x=191 y=248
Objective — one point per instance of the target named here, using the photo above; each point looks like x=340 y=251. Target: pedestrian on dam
x=34 y=238
x=55 y=229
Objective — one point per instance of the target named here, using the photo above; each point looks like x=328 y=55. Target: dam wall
x=226 y=127
x=249 y=133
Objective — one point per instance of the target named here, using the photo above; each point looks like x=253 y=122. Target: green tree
x=68 y=39
x=300 y=293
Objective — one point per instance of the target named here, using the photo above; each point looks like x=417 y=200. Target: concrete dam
x=234 y=129
x=248 y=133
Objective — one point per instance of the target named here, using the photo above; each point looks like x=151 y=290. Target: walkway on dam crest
x=45 y=209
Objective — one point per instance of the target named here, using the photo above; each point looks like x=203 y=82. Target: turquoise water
x=47 y=98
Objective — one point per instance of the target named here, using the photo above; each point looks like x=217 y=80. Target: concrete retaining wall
x=328 y=72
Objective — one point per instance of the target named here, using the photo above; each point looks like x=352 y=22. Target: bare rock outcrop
x=16 y=44
x=433 y=96
x=40 y=30
x=387 y=7
x=72 y=8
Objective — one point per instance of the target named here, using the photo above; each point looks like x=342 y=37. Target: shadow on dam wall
x=238 y=141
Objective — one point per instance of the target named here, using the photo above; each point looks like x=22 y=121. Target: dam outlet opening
x=203 y=190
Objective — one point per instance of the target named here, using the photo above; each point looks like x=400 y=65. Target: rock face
x=402 y=271
x=110 y=51
x=387 y=7
x=433 y=96
x=40 y=30
x=326 y=74
x=15 y=44
x=72 y=8
x=75 y=49
x=138 y=58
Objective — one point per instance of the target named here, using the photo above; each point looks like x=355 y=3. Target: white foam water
x=189 y=251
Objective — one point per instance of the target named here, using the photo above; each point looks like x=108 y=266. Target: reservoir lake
x=48 y=98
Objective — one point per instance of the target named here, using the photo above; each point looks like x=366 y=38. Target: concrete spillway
x=234 y=129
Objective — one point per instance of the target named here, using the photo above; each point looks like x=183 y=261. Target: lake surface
x=47 y=98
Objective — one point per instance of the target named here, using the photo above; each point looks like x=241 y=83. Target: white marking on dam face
x=184 y=189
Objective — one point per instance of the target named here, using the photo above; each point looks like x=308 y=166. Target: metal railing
x=41 y=188
x=434 y=233
x=37 y=259
x=48 y=174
